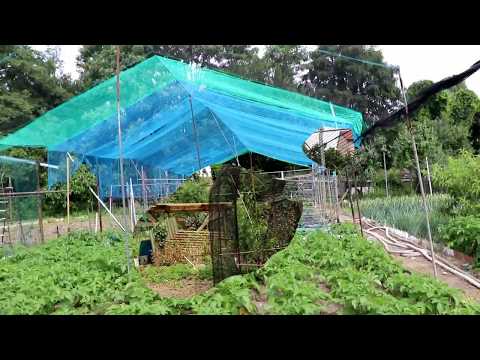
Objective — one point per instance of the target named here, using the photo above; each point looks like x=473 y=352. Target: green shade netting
x=176 y=119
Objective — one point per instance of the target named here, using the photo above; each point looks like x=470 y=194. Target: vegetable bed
x=319 y=273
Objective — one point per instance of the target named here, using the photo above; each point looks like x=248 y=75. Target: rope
x=223 y=134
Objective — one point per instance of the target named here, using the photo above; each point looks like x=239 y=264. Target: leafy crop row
x=85 y=274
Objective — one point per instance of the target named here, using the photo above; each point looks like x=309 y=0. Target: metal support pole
x=40 y=206
x=419 y=173
x=386 y=176
x=195 y=135
x=144 y=190
x=429 y=177
x=120 y=156
x=120 y=147
x=68 y=192
x=99 y=209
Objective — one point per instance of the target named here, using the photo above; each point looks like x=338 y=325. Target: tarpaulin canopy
x=176 y=119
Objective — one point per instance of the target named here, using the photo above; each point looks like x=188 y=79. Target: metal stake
x=120 y=156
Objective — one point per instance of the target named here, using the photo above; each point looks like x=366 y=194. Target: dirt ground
x=421 y=265
x=181 y=289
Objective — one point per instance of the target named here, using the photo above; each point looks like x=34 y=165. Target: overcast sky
x=417 y=62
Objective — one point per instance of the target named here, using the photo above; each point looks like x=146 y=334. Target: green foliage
x=396 y=187
x=159 y=233
x=160 y=274
x=252 y=227
x=195 y=190
x=230 y=297
x=87 y=274
x=192 y=191
x=406 y=213
x=29 y=85
x=460 y=177
x=463 y=234
x=80 y=198
x=369 y=89
x=76 y=274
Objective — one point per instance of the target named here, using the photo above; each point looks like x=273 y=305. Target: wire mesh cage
x=250 y=218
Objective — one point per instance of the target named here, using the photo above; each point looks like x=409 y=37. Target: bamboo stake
x=419 y=173
x=429 y=178
x=120 y=155
x=386 y=177
x=68 y=193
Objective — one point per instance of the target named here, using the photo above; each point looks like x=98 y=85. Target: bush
x=80 y=197
x=460 y=177
x=395 y=185
x=192 y=191
x=463 y=234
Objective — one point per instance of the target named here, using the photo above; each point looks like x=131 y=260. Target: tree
x=28 y=85
x=98 y=62
x=363 y=87
x=282 y=65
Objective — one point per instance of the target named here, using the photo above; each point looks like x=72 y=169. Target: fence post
x=385 y=169
x=99 y=209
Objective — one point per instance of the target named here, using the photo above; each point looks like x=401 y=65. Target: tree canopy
x=32 y=82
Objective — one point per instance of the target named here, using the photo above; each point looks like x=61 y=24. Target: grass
x=406 y=213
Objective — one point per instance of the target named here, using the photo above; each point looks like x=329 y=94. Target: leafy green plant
x=192 y=191
x=159 y=233
x=463 y=234
x=87 y=274
x=460 y=177
x=80 y=199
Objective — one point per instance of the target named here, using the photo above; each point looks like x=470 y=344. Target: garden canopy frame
x=178 y=118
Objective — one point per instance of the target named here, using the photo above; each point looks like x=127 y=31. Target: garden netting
x=177 y=118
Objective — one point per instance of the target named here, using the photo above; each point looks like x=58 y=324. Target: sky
x=417 y=62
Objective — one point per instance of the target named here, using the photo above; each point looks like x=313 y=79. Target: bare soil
x=421 y=265
x=181 y=289
x=329 y=308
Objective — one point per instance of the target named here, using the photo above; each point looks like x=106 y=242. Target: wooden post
x=385 y=169
x=337 y=200
x=349 y=189
x=358 y=205
x=99 y=209
x=144 y=190
x=132 y=206
x=111 y=194
x=40 y=205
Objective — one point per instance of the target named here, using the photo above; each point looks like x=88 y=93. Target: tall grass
x=406 y=213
